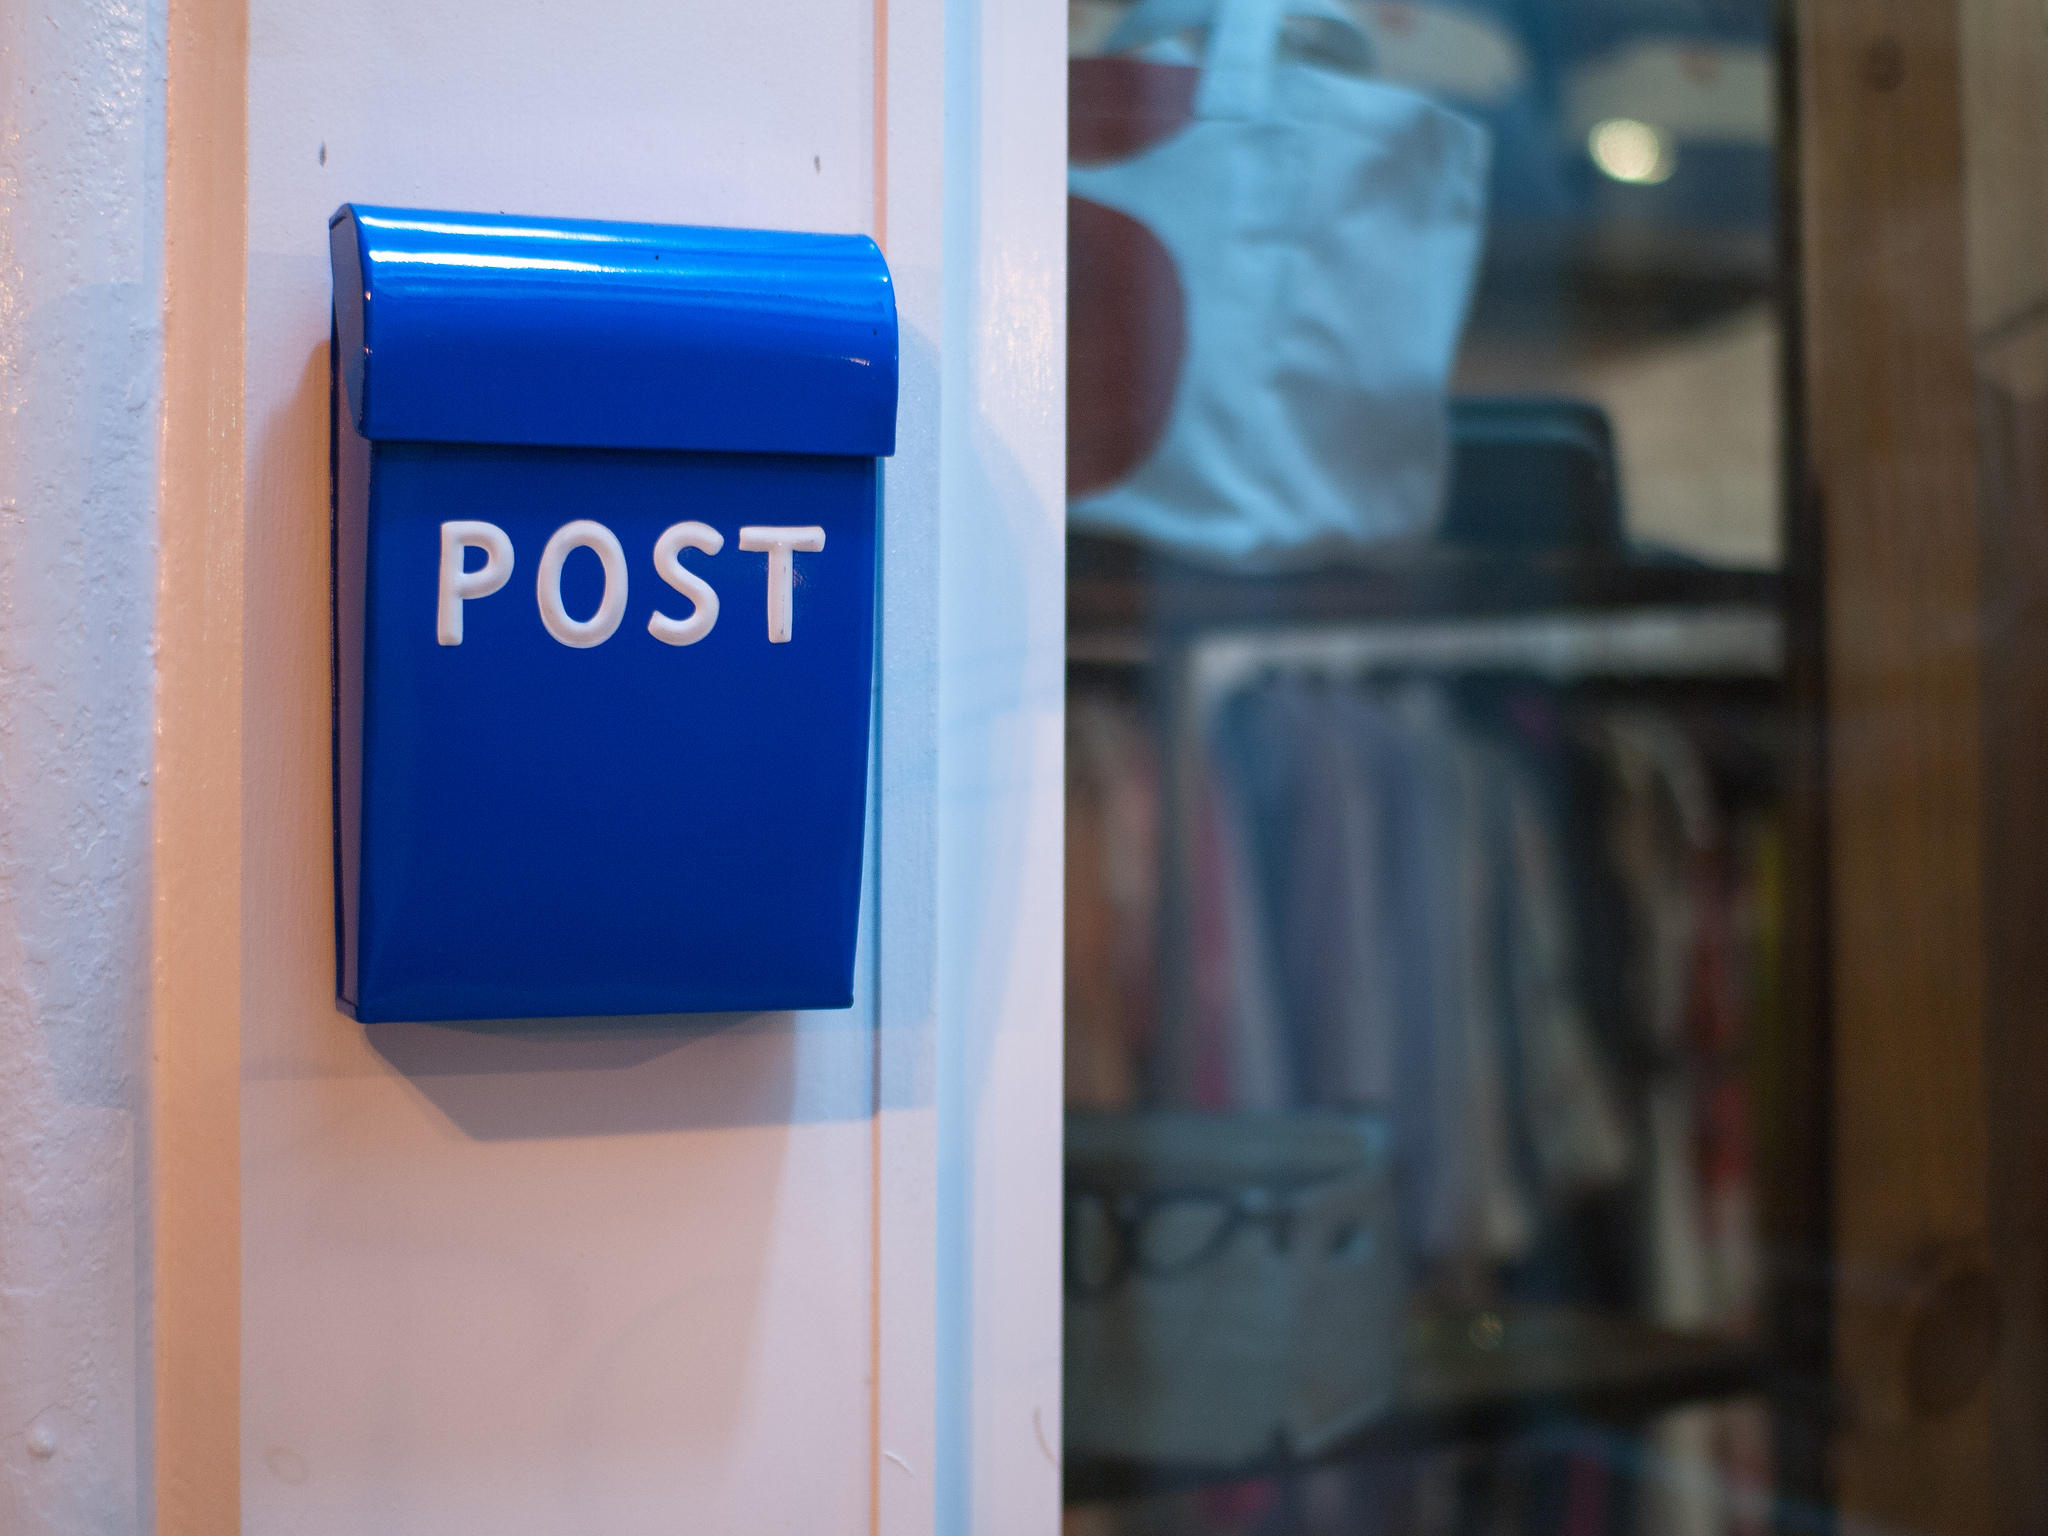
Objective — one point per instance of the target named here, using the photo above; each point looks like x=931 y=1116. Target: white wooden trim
x=1001 y=752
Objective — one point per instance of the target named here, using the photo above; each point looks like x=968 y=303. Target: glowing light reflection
x=1632 y=152
x=425 y=227
x=506 y=263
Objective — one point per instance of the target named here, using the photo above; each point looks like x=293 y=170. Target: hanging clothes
x=1705 y=1260
x=1112 y=900
x=1241 y=1058
x=1381 y=919
x=1530 y=932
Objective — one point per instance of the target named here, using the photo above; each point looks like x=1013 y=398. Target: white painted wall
x=80 y=181
x=773 y=1273
x=625 y=1278
x=503 y=1283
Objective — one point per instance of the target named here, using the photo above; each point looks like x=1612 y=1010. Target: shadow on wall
x=542 y=1079
x=536 y=1079
x=484 y=1277
x=497 y=1080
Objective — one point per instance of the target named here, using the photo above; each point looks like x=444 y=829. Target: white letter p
x=457 y=585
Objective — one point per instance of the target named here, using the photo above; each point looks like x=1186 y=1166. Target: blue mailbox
x=604 y=596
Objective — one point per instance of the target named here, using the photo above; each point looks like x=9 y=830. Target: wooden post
x=1892 y=460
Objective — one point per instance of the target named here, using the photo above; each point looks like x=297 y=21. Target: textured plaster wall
x=80 y=183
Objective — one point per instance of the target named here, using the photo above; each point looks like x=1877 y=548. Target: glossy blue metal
x=489 y=328
x=525 y=828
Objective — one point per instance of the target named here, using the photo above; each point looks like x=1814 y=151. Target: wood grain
x=1892 y=447
x=2005 y=115
x=2012 y=403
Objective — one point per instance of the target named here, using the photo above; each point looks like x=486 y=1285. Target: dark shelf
x=1473 y=1377
x=1121 y=596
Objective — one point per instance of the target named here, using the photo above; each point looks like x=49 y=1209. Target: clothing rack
x=1192 y=639
x=1728 y=642
x=1638 y=645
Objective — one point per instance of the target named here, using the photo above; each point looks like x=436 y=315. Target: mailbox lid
x=495 y=328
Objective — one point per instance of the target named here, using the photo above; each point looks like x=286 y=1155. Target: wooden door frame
x=1919 y=601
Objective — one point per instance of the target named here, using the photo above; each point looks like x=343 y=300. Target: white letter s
x=668 y=564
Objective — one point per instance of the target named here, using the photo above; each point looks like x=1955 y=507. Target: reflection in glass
x=1426 y=767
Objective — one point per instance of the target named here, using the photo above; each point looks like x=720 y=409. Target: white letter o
x=598 y=628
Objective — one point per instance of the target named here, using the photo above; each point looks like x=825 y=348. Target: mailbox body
x=529 y=828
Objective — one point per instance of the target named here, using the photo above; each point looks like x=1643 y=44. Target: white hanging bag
x=1324 y=229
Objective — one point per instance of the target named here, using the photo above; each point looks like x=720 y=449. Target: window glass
x=1429 y=1051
